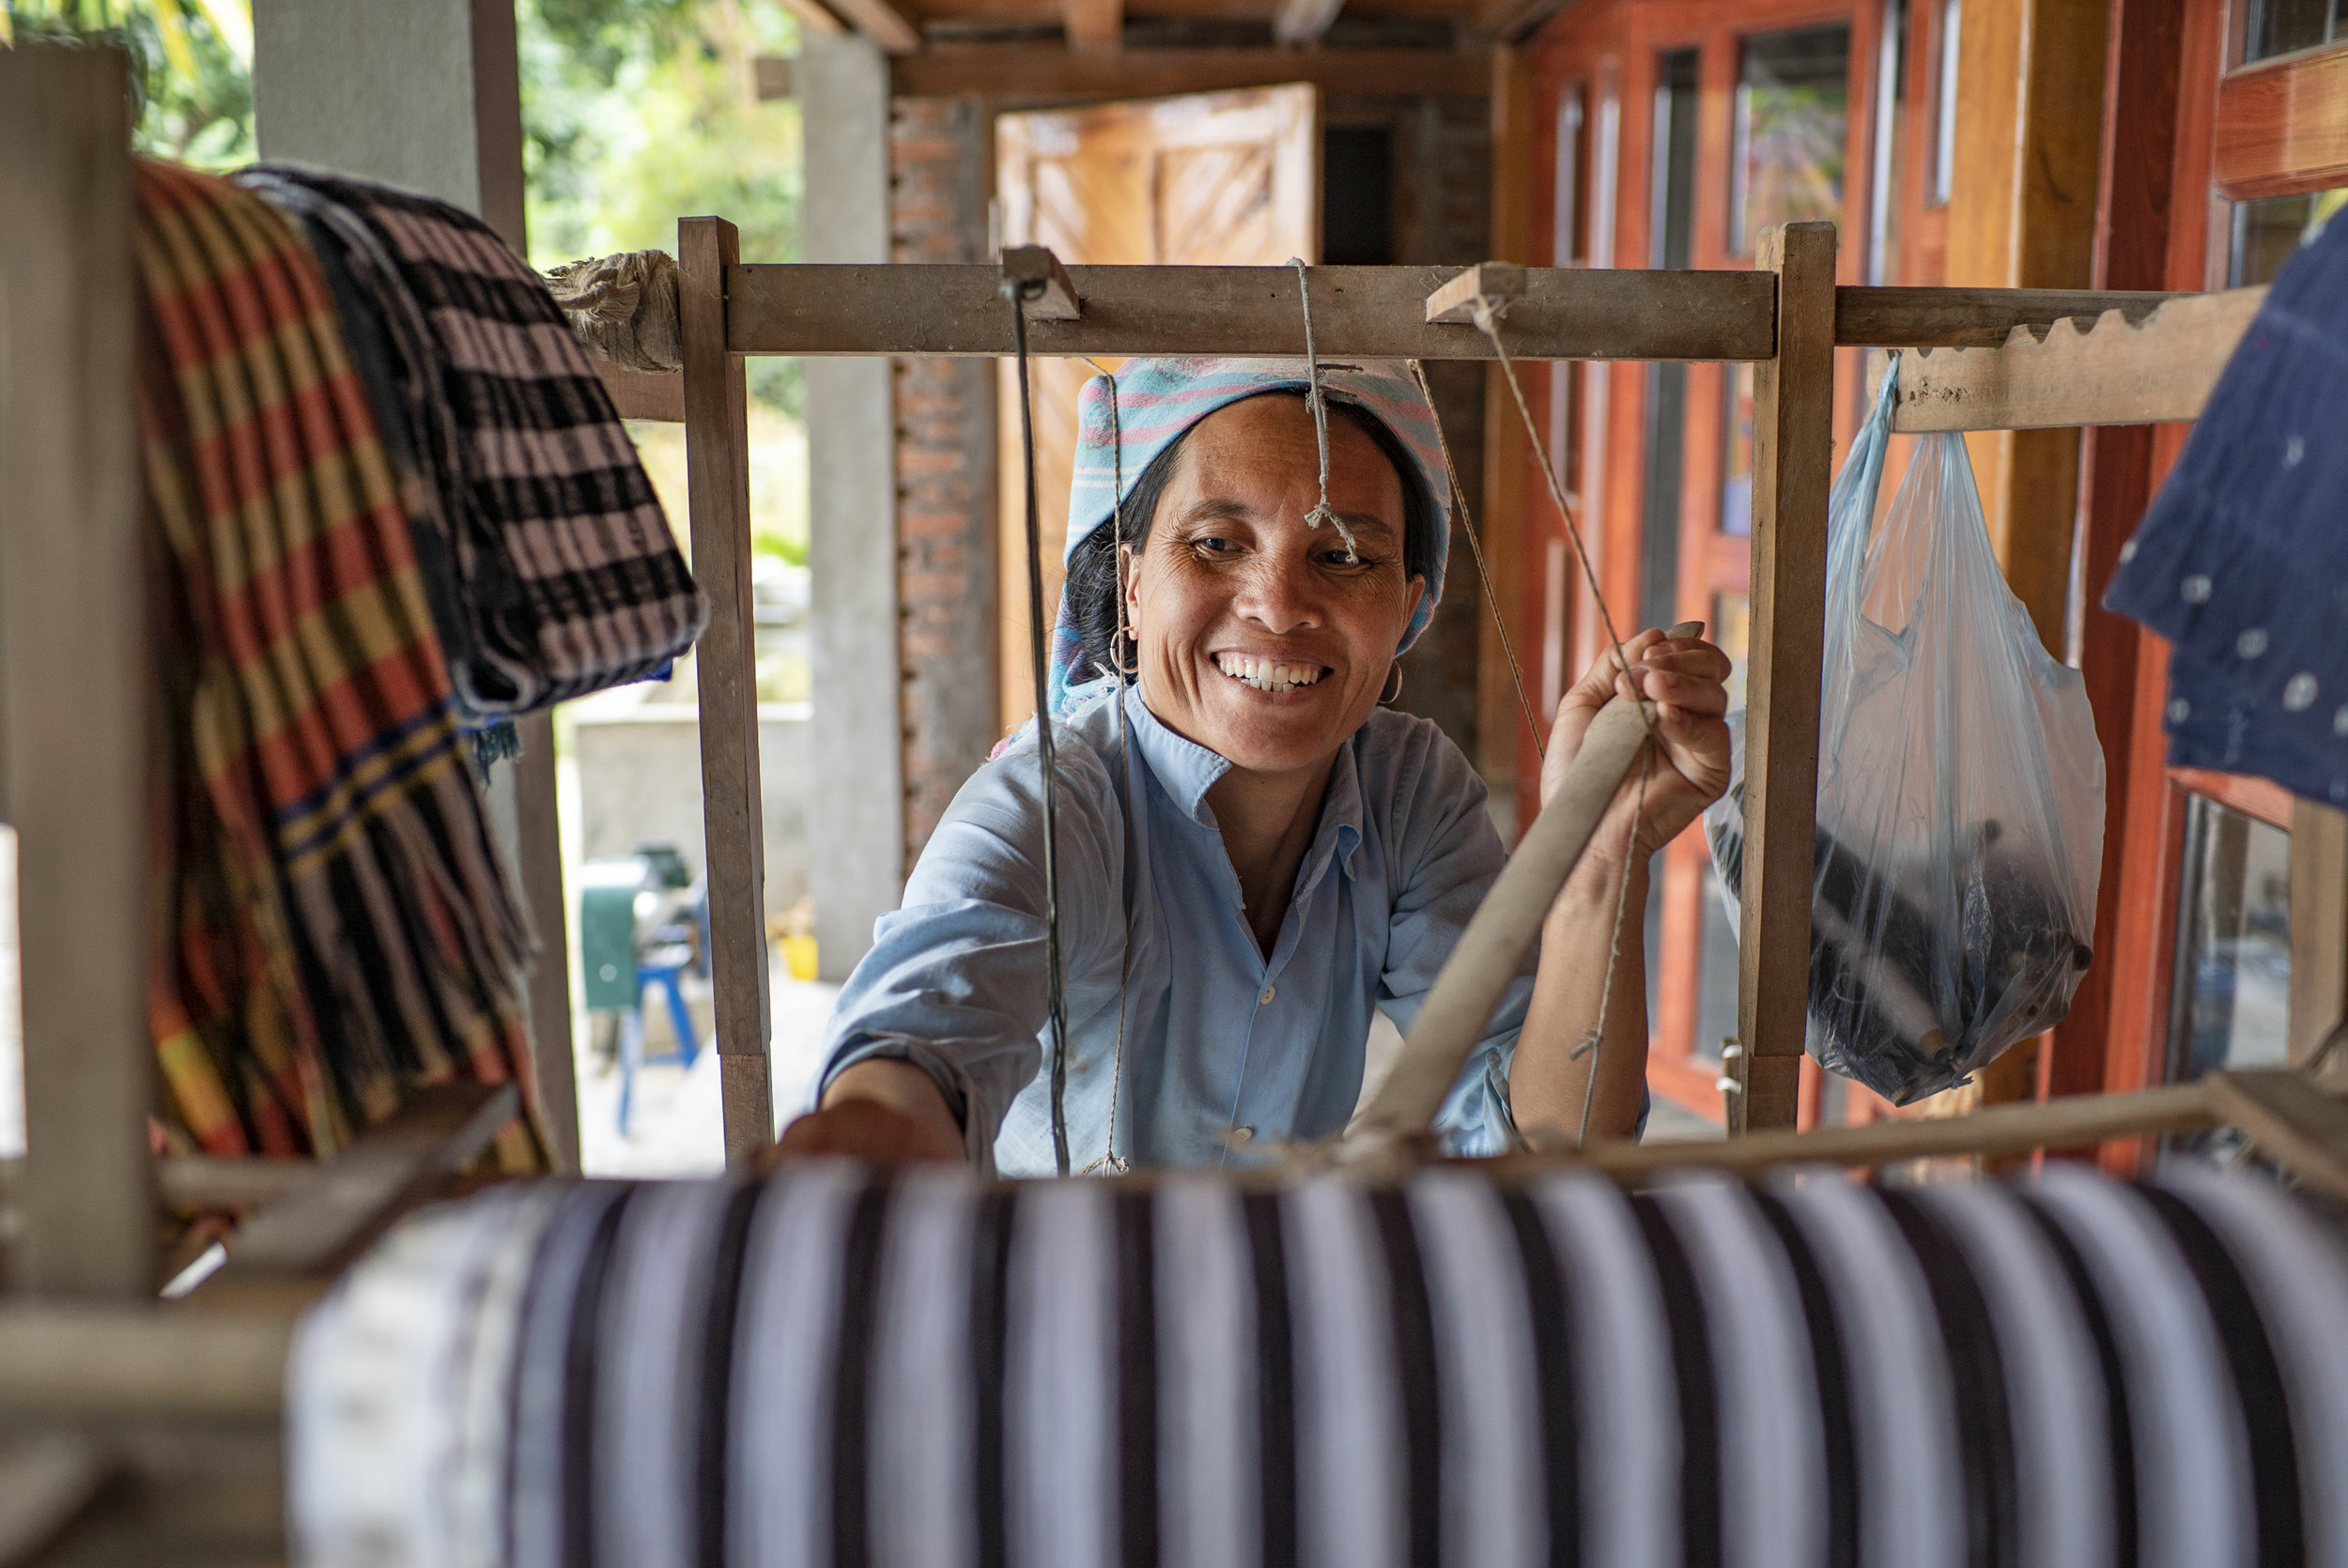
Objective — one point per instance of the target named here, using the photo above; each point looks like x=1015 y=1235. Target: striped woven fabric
x=567 y=579
x=840 y=1368
x=346 y=926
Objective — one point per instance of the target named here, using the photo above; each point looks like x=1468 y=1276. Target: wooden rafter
x=1026 y=74
x=814 y=15
x=881 y=23
x=1094 y=26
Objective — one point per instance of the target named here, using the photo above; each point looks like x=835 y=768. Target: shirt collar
x=1186 y=771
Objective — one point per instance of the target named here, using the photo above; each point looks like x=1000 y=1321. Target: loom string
x=1476 y=551
x=1018 y=292
x=1592 y=1044
x=1314 y=400
x=1116 y=1163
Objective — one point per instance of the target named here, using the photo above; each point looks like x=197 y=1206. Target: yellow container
x=798 y=957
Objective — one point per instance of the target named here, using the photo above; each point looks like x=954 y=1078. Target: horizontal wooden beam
x=1093 y=26
x=883 y=22
x=1037 y=73
x=1972 y=318
x=1358 y=312
x=2111 y=374
x=647 y=394
x=2068 y=1123
x=2282 y=126
x=89 y=1360
x=355 y=1196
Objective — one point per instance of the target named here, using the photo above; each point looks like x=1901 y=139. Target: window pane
x=1737 y=467
x=2279 y=27
x=2266 y=233
x=1791 y=129
x=1944 y=102
x=2234 y=944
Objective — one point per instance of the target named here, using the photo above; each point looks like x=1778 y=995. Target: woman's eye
x=1214 y=544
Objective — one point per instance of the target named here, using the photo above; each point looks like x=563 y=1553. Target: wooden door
x=1213 y=180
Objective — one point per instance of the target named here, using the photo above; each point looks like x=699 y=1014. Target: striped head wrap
x=1125 y=421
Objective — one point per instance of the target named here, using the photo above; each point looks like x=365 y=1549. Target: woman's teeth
x=1265 y=675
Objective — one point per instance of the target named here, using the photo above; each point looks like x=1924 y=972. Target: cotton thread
x=1314 y=400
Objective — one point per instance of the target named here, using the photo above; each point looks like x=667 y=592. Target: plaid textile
x=567 y=579
x=1124 y=421
x=343 y=925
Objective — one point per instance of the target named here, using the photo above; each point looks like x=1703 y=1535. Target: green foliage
x=191 y=68
x=636 y=113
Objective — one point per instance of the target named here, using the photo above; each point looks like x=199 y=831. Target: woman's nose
x=1279 y=598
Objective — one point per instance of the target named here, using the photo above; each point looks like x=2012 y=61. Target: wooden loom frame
x=188 y=1397
x=2020 y=359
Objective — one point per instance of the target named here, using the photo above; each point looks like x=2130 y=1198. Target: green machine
x=608 y=894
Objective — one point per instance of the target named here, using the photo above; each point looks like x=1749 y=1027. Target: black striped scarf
x=835 y=1369
x=566 y=579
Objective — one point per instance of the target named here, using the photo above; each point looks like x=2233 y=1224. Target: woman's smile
x=1269 y=673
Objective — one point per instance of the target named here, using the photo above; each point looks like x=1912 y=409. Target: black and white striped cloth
x=549 y=560
x=933 y=1372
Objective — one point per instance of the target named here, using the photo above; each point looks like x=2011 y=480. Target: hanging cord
x=1476 y=549
x=1114 y=1163
x=1488 y=322
x=1314 y=400
x=1594 y=1043
x=1018 y=293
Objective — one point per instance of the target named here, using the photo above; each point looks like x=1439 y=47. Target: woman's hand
x=880 y=1111
x=1683 y=677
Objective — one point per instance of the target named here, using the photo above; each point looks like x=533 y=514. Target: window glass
x=1667 y=383
x=1792 y=122
x=2278 y=26
x=2233 y=977
x=1944 y=102
x=1737 y=467
x=2266 y=232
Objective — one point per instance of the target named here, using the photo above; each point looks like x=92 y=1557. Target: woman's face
x=1260 y=639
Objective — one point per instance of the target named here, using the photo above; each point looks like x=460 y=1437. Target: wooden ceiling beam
x=1303 y=21
x=816 y=17
x=881 y=23
x=1094 y=26
x=1025 y=73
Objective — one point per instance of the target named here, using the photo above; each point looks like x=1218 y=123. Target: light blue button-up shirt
x=1216 y=1036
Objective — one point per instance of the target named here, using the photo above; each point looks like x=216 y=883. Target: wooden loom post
x=1793 y=440
x=718 y=484
x=75 y=703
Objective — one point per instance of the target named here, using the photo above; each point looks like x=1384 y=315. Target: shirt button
x=1243 y=1134
x=1269 y=992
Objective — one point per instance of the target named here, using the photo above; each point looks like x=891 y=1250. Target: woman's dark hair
x=1092 y=569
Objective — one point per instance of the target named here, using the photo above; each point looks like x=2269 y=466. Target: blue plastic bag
x=1960 y=791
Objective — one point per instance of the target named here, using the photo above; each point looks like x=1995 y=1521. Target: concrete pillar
x=426 y=93
x=856 y=815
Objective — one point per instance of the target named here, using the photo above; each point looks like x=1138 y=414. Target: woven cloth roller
x=834 y=1368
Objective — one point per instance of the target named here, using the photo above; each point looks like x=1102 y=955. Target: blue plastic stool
x=660 y=967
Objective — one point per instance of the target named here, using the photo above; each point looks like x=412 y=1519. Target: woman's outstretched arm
x=1551 y=1082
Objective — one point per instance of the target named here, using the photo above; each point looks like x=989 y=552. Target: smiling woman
x=1253 y=853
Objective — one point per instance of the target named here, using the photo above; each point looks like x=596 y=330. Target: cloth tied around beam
x=623 y=308
x=1125 y=421
x=2241 y=561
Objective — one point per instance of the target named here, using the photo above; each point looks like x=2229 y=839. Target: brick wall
x=945 y=472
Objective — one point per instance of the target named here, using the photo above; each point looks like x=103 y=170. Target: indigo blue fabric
x=1216 y=1035
x=2242 y=562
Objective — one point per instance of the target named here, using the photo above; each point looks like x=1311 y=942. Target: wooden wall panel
x=2282 y=126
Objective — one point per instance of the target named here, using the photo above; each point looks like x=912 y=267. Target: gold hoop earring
x=1390 y=697
x=1132 y=639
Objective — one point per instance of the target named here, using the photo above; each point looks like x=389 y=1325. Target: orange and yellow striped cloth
x=336 y=924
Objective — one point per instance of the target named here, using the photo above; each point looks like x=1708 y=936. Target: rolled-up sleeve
x=1448 y=854
x=955 y=983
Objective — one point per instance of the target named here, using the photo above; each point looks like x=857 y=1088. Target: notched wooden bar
x=2112 y=370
